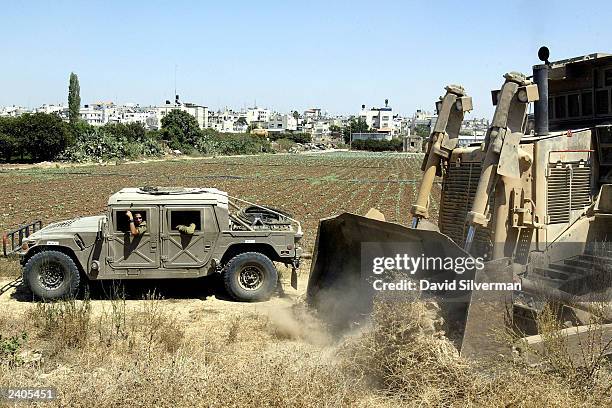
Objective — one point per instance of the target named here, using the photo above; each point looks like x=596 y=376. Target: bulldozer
x=530 y=205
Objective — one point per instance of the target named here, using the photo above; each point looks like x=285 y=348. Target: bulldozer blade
x=340 y=284
x=294 y=278
x=488 y=314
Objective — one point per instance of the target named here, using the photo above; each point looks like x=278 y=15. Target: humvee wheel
x=250 y=277
x=51 y=275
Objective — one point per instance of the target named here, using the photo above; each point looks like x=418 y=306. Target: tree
x=74 y=98
x=422 y=130
x=8 y=142
x=43 y=136
x=335 y=129
x=252 y=127
x=132 y=132
x=296 y=115
x=8 y=146
x=180 y=130
x=356 y=125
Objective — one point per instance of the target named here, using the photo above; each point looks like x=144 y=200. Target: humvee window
x=123 y=222
x=186 y=218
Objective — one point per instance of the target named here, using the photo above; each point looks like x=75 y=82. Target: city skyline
x=334 y=56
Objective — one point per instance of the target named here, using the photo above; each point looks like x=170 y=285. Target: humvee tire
x=250 y=277
x=52 y=275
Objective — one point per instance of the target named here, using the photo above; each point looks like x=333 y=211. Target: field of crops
x=310 y=186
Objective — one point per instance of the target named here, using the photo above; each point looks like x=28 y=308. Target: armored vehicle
x=189 y=233
x=533 y=199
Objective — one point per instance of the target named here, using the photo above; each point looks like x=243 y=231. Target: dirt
x=208 y=310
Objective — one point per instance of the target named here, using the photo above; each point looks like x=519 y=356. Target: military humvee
x=242 y=244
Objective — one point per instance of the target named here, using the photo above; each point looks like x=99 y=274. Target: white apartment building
x=282 y=123
x=12 y=111
x=132 y=115
x=228 y=121
x=312 y=115
x=51 y=108
x=97 y=114
x=421 y=117
x=320 y=132
x=257 y=115
x=378 y=119
x=197 y=111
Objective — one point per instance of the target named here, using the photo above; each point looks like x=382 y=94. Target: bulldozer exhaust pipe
x=540 y=107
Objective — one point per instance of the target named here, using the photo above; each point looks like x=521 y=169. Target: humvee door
x=133 y=252
x=185 y=250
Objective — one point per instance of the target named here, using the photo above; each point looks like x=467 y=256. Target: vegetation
x=297 y=137
x=378 y=145
x=181 y=130
x=38 y=137
x=9 y=349
x=74 y=98
x=215 y=143
x=423 y=131
x=112 y=141
x=355 y=125
x=284 y=145
x=33 y=137
x=153 y=352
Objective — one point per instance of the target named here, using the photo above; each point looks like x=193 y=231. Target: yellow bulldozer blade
x=342 y=287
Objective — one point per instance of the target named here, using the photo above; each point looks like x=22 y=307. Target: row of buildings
x=382 y=122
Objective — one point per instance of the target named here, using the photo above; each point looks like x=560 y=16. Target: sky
x=285 y=55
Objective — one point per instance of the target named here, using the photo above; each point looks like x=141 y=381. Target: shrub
x=157 y=326
x=232 y=143
x=105 y=143
x=66 y=322
x=294 y=137
x=285 y=145
x=378 y=145
x=9 y=347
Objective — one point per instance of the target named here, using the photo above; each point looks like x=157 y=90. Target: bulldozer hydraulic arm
x=451 y=109
x=501 y=145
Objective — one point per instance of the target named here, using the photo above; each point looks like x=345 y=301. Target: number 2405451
x=16 y=394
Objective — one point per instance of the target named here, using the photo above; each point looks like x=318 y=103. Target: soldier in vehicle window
x=138 y=226
x=187 y=230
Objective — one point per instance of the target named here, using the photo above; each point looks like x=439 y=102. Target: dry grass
x=9 y=267
x=65 y=324
x=404 y=356
x=145 y=355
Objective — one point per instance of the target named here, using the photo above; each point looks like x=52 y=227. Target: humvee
x=241 y=244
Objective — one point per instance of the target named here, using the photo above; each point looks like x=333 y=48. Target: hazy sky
x=285 y=55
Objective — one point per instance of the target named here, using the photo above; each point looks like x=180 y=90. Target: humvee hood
x=82 y=224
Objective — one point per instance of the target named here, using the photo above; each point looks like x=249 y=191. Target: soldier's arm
x=133 y=229
x=187 y=230
x=142 y=228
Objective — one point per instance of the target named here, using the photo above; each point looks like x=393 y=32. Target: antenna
x=175 y=69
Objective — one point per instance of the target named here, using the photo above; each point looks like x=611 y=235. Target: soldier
x=138 y=226
x=187 y=230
